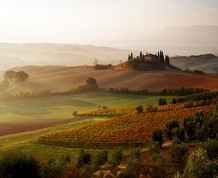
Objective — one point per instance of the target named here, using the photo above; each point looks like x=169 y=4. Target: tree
x=157 y=136
x=162 y=101
x=180 y=133
x=190 y=129
x=91 y=84
x=139 y=108
x=21 y=76
x=189 y=126
x=9 y=75
x=167 y=60
x=170 y=126
x=83 y=158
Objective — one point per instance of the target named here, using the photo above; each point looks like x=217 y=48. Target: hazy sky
x=87 y=21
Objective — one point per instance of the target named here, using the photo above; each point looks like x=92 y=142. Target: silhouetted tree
x=167 y=60
x=157 y=136
x=91 y=84
x=162 y=101
x=139 y=108
x=21 y=76
x=9 y=75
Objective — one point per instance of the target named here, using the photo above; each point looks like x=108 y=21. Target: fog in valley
x=185 y=41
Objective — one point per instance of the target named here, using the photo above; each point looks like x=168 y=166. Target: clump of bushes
x=162 y=101
x=103 y=66
x=17 y=164
x=139 y=109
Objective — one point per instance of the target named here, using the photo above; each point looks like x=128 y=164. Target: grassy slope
x=63 y=106
x=60 y=78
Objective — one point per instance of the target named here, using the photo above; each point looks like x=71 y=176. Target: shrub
x=17 y=164
x=158 y=159
x=162 y=101
x=188 y=104
x=112 y=166
x=157 y=136
x=151 y=108
x=99 y=158
x=178 y=152
x=169 y=127
x=133 y=168
x=116 y=155
x=133 y=164
x=139 y=108
x=199 y=166
x=83 y=158
x=174 y=101
x=74 y=113
x=156 y=166
x=211 y=147
x=154 y=147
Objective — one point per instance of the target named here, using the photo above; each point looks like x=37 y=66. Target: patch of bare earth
x=65 y=78
x=14 y=128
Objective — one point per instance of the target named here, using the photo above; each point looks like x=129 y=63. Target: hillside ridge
x=206 y=62
x=63 y=78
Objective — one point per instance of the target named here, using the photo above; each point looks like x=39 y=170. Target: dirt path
x=6 y=129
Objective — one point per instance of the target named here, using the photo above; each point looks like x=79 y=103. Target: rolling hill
x=207 y=62
x=62 y=78
x=58 y=54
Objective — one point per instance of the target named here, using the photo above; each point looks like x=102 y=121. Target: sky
x=90 y=21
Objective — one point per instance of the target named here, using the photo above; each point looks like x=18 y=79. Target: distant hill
x=207 y=62
x=59 y=54
x=59 y=79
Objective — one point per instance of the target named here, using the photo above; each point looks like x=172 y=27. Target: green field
x=63 y=106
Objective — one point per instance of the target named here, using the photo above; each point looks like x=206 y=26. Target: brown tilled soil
x=13 y=128
x=65 y=78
